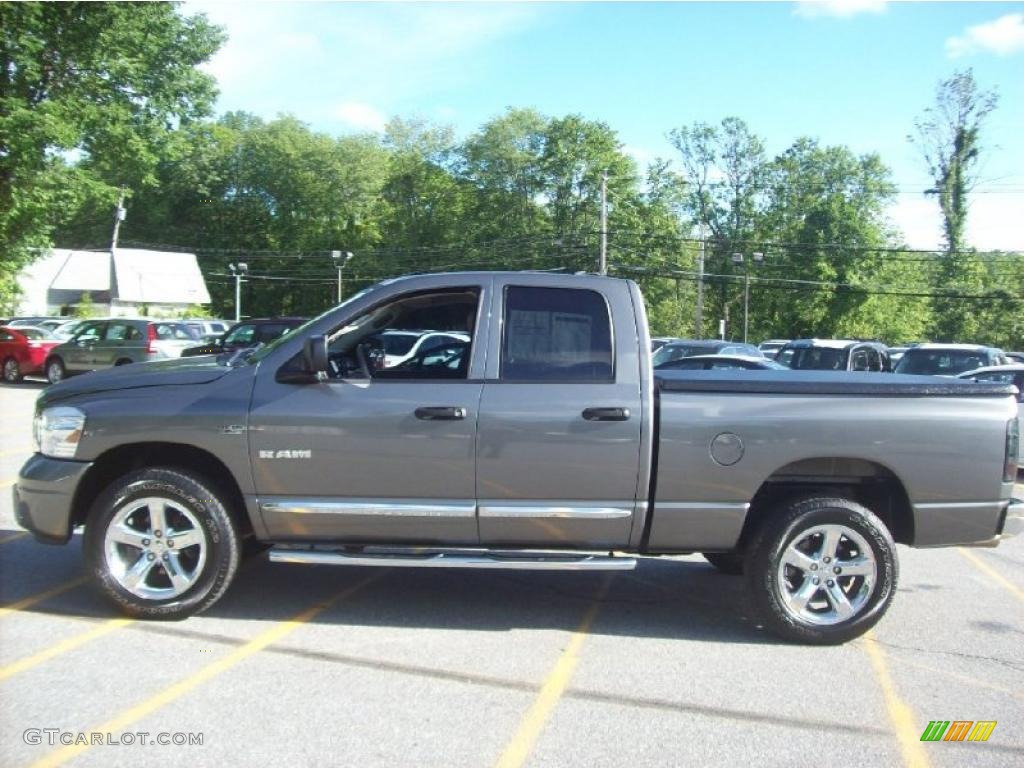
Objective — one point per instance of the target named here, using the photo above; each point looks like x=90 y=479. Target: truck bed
x=825 y=383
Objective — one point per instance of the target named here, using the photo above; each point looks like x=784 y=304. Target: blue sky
x=854 y=72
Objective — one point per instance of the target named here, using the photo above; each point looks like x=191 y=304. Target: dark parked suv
x=949 y=359
x=248 y=333
x=835 y=355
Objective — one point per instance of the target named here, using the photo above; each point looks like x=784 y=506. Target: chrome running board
x=476 y=558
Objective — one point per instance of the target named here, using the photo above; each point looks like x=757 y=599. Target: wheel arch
x=864 y=481
x=130 y=457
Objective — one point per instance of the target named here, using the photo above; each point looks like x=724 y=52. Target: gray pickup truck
x=538 y=437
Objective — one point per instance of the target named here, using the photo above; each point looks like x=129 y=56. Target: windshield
x=265 y=349
x=940 y=362
x=817 y=359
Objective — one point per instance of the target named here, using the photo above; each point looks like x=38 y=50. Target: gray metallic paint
x=43 y=495
x=532 y=450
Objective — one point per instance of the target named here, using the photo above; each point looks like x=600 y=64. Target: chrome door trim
x=360 y=508
x=565 y=510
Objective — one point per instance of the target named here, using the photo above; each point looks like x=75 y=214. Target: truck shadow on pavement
x=662 y=598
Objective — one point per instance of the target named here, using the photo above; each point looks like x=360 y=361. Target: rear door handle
x=606 y=414
x=440 y=413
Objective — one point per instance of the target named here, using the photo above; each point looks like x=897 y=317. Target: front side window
x=90 y=332
x=384 y=342
x=556 y=334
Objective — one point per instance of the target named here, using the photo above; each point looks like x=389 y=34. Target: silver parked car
x=118 y=341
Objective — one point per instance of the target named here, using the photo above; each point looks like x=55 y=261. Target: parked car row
x=836 y=355
x=105 y=343
x=57 y=348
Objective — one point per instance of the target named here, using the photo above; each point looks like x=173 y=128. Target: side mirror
x=314 y=354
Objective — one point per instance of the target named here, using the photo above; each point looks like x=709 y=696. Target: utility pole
x=737 y=258
x=699 y=318
x=239 y=271
x=341 y=258
x=119 y=216
x=604 y=224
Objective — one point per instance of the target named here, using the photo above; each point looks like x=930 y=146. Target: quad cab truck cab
x=544 y=441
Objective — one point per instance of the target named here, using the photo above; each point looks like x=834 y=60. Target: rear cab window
x=556 y=334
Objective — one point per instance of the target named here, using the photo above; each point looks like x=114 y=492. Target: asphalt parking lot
x=303 y=665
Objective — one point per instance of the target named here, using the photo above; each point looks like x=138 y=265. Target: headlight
x=57 y=431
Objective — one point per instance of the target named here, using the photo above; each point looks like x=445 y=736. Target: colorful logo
x=958 y=730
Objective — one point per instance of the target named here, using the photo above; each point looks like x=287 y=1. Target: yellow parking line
x=166 y=696
x=62 y=647
x=993 y=574
x=519 y=748
x=38 y=597
x=901 y=716
x=13 y=537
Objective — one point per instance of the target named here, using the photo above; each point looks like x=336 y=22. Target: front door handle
x=440 y=413
x=606 y=414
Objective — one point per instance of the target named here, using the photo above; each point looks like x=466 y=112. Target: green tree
x=948 y=136
x=90 y=95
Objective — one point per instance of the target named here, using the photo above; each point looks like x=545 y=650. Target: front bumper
x=43 y=496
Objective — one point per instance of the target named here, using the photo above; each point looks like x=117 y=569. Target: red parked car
x=23 y=351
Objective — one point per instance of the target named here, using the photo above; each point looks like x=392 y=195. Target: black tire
x=122 y=361
x=795 y=521
x=12 y=371
x=730 y=563
x=203 y=502
x=55 y=370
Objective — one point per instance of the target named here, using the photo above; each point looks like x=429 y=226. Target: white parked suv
x=400 y=346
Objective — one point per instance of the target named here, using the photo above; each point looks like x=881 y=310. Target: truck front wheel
x=161 y=544
x=823 y=571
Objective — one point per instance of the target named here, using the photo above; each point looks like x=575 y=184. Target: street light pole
x=737 y=258
x=239 y=271
x=341 y=258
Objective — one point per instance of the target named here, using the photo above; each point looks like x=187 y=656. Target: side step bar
x=520 y=561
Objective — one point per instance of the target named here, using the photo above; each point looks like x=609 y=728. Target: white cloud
x=1002 y=37
x=641 y=155
x=360 y=116
x=992 y=223
x=305 y=57
x=839 y=9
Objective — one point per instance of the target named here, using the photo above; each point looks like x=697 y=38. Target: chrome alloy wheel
x=12 y=373
x=155 y=548
x=826 y=574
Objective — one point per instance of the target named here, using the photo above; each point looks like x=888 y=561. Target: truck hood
x=160 y=373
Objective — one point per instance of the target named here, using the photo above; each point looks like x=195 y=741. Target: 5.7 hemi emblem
x=286 y=454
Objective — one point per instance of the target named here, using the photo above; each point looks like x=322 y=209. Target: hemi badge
x=233 y=429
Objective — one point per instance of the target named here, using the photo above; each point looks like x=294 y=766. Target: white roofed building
x=125 y=282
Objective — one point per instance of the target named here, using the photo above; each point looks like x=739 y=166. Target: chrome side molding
x=418 y=558
x=360 y=508
x=563 y=511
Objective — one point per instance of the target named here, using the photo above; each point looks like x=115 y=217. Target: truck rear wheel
x=161 y=544
x=823 y=571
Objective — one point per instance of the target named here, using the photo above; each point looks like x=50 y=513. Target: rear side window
x=556 y=334
x=269 y=332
